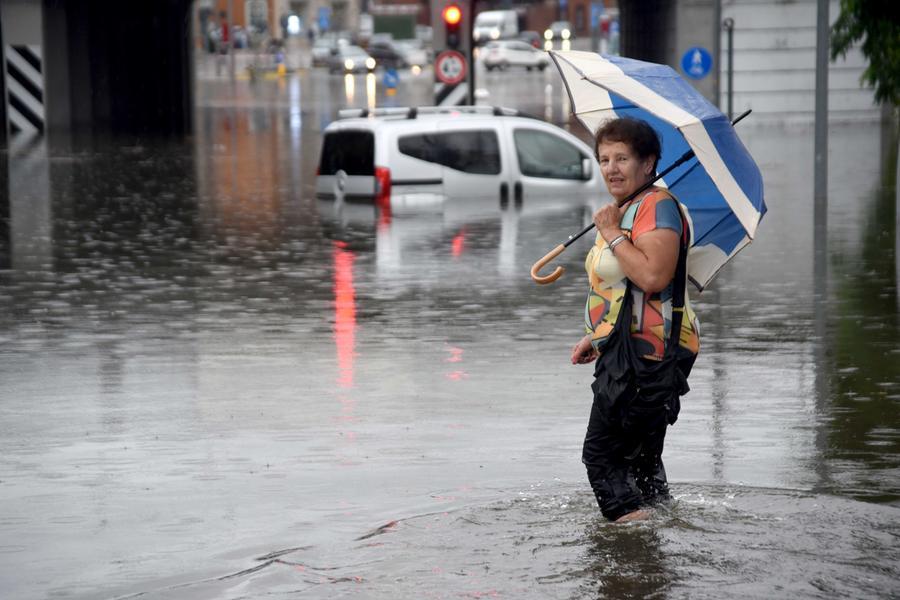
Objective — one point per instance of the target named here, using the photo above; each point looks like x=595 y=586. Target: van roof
x=414 y=112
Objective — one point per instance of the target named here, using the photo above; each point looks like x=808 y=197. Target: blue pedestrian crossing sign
x=391 y=79
x=696 y=62
x=324 y=18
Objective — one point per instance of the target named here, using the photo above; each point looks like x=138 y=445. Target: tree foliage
x=877 y=24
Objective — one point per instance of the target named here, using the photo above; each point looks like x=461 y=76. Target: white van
x=410 y=159
x=493 y=25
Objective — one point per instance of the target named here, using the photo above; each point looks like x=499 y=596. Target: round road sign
x=450 y=67
x=696 y=62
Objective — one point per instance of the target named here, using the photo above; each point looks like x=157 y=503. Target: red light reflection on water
x=455 y=354
x=344 y=313
x=458 y=244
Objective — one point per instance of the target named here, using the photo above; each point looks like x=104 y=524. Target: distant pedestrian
x=225 y=35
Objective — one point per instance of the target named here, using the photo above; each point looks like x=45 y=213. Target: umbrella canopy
x=721 y=191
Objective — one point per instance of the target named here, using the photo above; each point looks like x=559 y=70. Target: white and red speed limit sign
x=450 y=67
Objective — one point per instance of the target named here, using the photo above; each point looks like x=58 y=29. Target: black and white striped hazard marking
x=24 y=89
x=446 y=94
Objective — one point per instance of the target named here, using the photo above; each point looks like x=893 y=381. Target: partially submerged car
x=409 y=159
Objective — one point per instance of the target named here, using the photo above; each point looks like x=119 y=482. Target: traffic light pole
x=454 y=62
x=471 y=49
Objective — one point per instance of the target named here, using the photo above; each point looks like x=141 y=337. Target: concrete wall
x=775 y=69
x=696 y=24
x=21 y=21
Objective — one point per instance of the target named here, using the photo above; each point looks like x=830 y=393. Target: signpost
x=452 y=42
x=390 y=80
x=450 y=67
x=324 y=18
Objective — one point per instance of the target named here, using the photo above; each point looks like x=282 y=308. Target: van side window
x=422 y=146
x=476 y=152
x=352 y=151
x=545 y=155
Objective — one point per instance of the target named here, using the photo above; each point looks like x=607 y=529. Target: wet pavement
x=213 y=386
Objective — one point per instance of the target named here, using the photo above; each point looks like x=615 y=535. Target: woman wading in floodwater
x=637 y=297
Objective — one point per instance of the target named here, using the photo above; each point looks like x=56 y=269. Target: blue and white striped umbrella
x=721 y=190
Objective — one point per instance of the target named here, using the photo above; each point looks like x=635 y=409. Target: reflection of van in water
x=495 y=25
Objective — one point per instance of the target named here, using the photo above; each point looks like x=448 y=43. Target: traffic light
x=452 y=16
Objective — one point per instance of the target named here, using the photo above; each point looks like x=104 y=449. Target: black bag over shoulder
x=644 y=394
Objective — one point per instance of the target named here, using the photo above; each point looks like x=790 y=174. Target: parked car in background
x=513 y=53
x=414 y=52
x=389 y=52
x=385 y=52
x=322 y=47
x=409 y=159
x=559 y=30
x=350 y=59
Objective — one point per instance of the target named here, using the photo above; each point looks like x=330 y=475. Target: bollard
x=548 y=103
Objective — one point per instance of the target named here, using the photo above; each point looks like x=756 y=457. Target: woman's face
x=622 y=170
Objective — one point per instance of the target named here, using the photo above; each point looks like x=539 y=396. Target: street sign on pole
x=324 y=18
x=696 y=62
x=450 y=67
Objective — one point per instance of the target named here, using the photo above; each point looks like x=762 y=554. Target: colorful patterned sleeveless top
x=652 y=313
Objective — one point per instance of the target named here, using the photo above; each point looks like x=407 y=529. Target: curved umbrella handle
x=545 y=279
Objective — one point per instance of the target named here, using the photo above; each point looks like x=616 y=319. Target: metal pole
x=820 y=150
x=821 y=351
x=820 y=177
x=231 y=39
x=469 y=23
x=717 y=51
x=729 y=28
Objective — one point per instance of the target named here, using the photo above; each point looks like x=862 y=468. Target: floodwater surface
x=213 y=386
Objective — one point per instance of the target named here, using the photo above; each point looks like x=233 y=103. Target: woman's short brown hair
x=637 y=134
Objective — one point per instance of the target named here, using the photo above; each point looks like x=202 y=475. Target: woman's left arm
x=650 y=260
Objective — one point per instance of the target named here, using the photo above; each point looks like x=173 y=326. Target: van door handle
x=504 y=195
x=517 y=194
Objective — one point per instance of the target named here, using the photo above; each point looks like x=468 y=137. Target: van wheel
x=527 y=68
x=542 y=66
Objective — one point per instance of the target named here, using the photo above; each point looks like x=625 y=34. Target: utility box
x=402 y=27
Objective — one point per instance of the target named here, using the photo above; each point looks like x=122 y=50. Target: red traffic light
x=452 y=14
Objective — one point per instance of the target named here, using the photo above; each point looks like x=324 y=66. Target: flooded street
x=216 y=386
